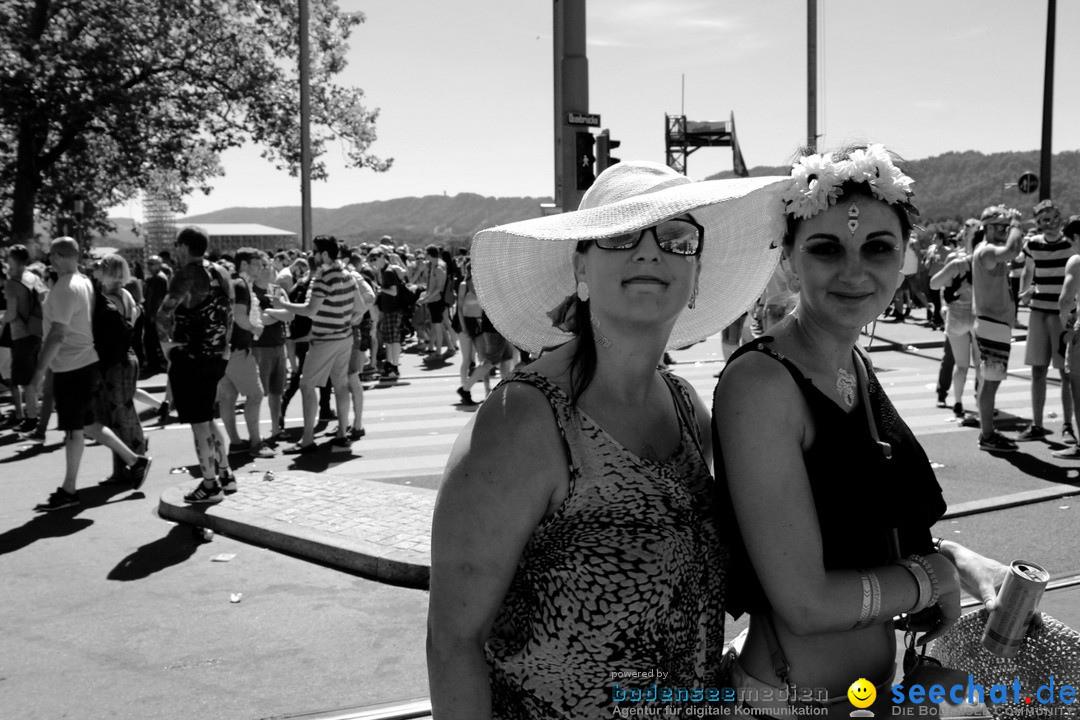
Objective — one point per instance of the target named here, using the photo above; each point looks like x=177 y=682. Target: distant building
x=229 y=237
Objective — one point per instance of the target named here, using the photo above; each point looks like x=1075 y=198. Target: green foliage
x=104 y=98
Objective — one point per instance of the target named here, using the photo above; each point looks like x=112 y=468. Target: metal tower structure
x=159 y=223
x=682 y=137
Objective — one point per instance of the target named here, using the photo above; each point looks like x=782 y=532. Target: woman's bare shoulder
x=755 y=374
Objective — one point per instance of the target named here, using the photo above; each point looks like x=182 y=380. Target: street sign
x=576 y=118
x=1028 y=182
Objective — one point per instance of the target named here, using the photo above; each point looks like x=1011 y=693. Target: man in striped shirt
x=1041 y=285
x=329 y=304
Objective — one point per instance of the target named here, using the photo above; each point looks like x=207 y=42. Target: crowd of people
x=233 y=332
x=976 y=279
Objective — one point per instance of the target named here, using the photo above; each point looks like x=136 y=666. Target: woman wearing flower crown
x=829 y=497
x=576 y=567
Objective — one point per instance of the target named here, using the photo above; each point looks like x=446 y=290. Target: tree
x=104 y=98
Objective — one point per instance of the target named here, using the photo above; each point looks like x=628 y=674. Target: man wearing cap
x=68 y=350
x=994 y=312
x=1041 y=285
x=23 y=291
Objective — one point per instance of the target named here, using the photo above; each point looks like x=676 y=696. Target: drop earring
x=794 y=285
x=582 y=290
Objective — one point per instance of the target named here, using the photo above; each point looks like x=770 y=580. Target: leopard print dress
x=622 y=587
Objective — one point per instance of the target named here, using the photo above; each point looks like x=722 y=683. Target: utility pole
x=811 y=75
x=1046 y=154
x=571 y=95
x=305 y=131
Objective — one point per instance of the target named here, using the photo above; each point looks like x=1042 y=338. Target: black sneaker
x=139 y=470
x=58 y=501
x=466 y=397
x=996 y=443
x=357 y=433
x=341 y=442
x=1067 y=435
x=35 y=436
x=1033 y=432
x=203 y=494
x=27 y=425
x=958 y=410
x=228 y=484
x=941 y=401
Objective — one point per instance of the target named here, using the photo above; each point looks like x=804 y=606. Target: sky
x=465 y=88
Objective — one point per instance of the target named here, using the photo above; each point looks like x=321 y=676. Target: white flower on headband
x=817 y=180
x=815 y=186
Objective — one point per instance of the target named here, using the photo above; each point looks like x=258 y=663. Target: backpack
x=449 y=293
x=113 y=331
x=300 y=325
x=37 y=300
x=363 y=298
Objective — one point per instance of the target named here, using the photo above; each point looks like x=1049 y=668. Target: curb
x=353 y=555
x=1004 y=502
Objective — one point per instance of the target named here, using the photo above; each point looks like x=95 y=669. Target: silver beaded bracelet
x=935 y=589
x=922 y=580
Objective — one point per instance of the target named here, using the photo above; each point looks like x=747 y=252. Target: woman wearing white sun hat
x=574 y=548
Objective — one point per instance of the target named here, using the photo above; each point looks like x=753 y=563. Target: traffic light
x=604 y=146
x=584 y=159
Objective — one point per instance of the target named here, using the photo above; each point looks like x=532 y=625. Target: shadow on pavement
x=324 y=457
x=176 y=547
x=31 y=449
x=1038 y=468
x=61 y=523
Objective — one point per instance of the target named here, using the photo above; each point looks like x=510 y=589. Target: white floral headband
x=817 y=180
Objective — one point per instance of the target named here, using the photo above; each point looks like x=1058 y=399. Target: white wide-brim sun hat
x=524 y=270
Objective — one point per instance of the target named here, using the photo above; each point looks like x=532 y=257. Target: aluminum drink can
x=1016 y=602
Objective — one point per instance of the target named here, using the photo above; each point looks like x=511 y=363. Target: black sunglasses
x=678 y=236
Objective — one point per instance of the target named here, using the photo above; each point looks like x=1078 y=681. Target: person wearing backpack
x=115 y=318
x=68 y=350
x=390 y=303
x=24 y=292
x=194 y=324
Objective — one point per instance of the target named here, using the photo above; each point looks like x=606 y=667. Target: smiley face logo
x=862 y=693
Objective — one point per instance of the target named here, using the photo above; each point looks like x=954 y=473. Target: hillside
x=955 y=185
x=958 y=185
x=413 y=220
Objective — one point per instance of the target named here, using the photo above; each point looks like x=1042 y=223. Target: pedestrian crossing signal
x=583 y=143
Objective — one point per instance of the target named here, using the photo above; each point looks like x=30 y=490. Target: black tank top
x=860 y=496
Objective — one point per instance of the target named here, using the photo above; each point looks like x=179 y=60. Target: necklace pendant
x=845 y=386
